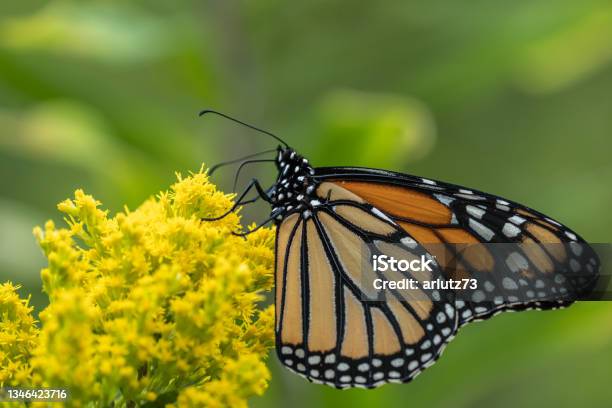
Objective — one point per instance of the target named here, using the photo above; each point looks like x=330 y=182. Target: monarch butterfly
x=330 y=332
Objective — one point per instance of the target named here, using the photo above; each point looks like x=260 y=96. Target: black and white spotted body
x=294 y=188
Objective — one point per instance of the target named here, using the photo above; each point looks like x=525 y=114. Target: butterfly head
x=295 y=185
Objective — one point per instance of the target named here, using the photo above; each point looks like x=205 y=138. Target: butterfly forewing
x=520 y=258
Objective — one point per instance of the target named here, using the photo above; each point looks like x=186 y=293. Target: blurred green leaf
x=62 y=130
x=114 y=33
x=569 y=54
x=361 y=128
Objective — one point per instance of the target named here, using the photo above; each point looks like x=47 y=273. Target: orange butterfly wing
x=521 y=258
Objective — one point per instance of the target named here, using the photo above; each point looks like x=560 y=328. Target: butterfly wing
x=330 y=326
x=521 y=258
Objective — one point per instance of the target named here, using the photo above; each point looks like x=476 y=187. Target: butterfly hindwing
x=332 y=326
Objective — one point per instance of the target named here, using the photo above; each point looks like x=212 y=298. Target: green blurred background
x=511 y=98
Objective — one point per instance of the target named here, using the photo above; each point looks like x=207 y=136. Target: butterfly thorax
x=295 y=186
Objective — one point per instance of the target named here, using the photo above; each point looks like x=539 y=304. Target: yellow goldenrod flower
x=148 y=305
x=18 y=335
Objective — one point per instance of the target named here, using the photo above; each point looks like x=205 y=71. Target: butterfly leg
x=244 y=234
x=242 y=166
x=260 y=191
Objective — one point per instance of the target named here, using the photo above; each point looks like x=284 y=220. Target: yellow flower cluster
x=151 y=304
x=18 y=334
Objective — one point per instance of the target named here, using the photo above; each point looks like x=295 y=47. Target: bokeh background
x=511 y=98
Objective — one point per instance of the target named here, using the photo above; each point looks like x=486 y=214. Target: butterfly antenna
x=205 y=111
x=222 y=164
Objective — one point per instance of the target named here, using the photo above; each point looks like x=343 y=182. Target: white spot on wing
x=478 y=296
x=575 y=265
x=516 y=262
x=470 y=196
x=576 y=248
x=435 y=295
x=475 y=211
x=510 y=230
x=450 y=311
x=509 y=284
x=553 y=221
x=427 y=181
x=397 y=362
x=570 y=235
x=409 y=242
x=515 y=219
x=382 y=215
x=446 y=200
x=481 y=230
